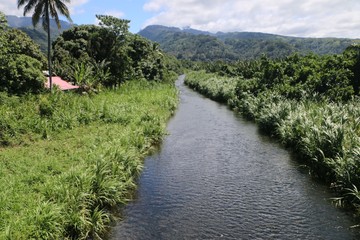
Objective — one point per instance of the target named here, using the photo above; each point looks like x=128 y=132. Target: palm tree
x=45 y=9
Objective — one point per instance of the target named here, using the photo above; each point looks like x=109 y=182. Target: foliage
x=3 y=22
x=218 y=88
x=19 y=43
x=295 y=77
x=21 y=74
x=69 y=192
x=352 y=56
x=126 y=55
x=147 y=60
x=21 y=63
x=45 y=9
x=119 y=26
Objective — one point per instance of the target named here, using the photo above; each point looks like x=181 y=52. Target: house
x=58 y=82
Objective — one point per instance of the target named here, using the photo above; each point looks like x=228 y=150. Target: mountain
x=25 y=22
x=197 y=45
x=37 y=34
x=188 y=43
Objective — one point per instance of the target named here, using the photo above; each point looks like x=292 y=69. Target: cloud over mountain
x=311 y=18
x=303 y=18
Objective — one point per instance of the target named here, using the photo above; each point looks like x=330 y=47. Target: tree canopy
x=21 y=62
x=126 y=55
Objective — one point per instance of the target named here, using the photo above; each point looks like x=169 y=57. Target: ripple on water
x=217 y=178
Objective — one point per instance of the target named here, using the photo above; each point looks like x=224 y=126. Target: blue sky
x=127 y=9
x=301 y=18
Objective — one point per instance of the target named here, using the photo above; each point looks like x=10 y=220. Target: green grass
x=62 y=174
x=216 y=87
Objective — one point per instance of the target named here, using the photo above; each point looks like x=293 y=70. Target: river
x=216 y=177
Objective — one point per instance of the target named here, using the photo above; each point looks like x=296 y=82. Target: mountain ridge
x=38 y=34
x=192 y=44
x=20 y=22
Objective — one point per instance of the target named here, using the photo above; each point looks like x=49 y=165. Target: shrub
x=21 y=74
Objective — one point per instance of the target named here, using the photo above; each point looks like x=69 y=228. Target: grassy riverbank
x=67 y=160
x=324 y=134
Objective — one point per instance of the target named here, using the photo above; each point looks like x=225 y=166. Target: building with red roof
x=60 y=83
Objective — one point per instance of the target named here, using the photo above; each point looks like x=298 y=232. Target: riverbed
x=216 y=177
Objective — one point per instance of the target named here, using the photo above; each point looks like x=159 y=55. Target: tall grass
x=216 y=87
x=68 y=160
x=326 y=135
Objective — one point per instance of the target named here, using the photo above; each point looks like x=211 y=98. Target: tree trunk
x=49 y=48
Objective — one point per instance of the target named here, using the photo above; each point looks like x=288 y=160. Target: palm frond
x=29 y=6
x=61 y=7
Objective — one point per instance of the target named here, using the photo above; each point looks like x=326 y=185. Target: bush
x=21 y=74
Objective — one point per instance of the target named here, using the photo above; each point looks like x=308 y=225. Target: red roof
x=61 y=84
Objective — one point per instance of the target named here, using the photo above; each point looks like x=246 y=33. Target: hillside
x=197 y=45
x=37 y=34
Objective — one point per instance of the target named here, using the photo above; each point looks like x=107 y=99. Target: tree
x=45 y=9
x=352 y=55
x=119 y=26
x=3 y=21
x=20 y=61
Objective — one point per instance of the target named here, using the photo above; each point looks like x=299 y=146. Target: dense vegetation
x=81 y=55
x=65 y=186
x=68 y=159
x=69 y=185
x=21 y=61
x=190 y=44
x=107 y=54
x=310 y=103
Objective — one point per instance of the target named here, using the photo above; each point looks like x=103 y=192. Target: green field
x=68 y=160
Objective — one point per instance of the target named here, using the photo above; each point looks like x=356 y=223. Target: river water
x=216 y=177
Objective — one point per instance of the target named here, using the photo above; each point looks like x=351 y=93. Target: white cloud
x=9 y=7
x=308 y=18
x=75 y=6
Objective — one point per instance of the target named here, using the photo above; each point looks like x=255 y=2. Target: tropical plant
x=45 y=9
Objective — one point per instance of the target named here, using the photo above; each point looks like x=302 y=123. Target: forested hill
x=205 y=46
x=37 y=34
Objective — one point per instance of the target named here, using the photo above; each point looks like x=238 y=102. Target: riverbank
x=216 y=177
x=323 y=134
x=67 y=165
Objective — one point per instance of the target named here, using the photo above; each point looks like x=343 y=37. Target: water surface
x=216 y=177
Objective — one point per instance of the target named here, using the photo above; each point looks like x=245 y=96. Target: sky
x=299 y=18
